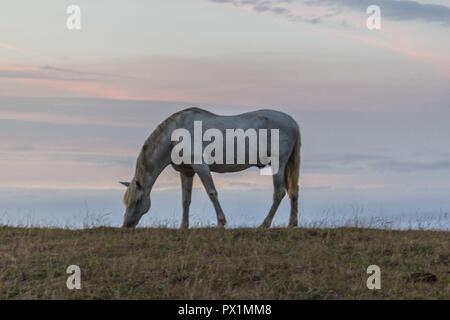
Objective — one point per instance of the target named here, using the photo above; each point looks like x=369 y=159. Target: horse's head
x=137 y=203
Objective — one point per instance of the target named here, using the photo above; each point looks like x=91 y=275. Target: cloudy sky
x=76 y=105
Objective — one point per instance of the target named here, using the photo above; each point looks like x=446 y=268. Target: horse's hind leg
x=205 y=176
x=293 y=219
x=278 y=194
x=186 y=191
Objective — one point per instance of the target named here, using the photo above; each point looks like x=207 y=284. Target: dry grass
x=222 y=264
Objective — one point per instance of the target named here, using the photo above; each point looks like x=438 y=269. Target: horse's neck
x=155 y=161
x=158 y=165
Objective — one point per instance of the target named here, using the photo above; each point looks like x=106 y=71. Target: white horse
x=157 y=150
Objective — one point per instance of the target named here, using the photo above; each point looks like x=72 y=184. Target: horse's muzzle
x=130 y=224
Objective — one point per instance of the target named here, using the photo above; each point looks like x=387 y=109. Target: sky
x=373 y=105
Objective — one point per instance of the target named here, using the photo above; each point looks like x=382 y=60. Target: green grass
x=222 y=264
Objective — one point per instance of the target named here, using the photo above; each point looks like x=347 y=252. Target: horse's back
x=275 y=117
x=259 y=119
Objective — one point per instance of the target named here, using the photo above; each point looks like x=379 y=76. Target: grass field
x=223 y=264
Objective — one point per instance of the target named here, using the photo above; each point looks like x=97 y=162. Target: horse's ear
x=126 y=184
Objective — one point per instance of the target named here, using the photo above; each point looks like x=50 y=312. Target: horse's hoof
x=264 y=226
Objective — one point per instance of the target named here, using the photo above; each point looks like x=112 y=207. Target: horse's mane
x=130 y=195
x=154 y=139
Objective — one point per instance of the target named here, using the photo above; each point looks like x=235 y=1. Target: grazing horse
x=158 y=148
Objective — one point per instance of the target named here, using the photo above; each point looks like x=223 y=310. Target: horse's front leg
x=205 y=176
x=186 y=191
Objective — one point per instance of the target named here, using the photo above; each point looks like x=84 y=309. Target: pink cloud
x=399 y=46
x=97 y=89
x=14 y=67
x=11 y=47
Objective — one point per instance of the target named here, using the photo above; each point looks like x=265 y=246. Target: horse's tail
x=292 y=173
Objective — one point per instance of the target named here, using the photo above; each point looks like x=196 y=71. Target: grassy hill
x=228 y=264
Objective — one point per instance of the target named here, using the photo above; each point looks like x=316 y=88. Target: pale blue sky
x=75 y=106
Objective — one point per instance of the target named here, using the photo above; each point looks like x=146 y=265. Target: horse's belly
x=221 y=168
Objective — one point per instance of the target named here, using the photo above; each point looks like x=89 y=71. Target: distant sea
x=319 y=208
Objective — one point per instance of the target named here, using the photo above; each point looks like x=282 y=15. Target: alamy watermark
x=374 y=279
x=73 y=21
x=191 y=150
x=74 y=280
x=374 y=20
